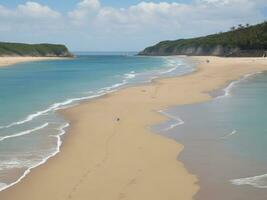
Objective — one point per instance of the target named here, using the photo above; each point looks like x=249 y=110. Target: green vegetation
x=43 y=50
x=241 y=41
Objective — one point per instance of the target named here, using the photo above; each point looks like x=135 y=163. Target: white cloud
x=176 y=19
x=31 y=10
x=91 y=25
x=149 y=13
x=84 y=10
x=36 y=10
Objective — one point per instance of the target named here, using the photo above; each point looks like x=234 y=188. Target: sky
x=128 y=25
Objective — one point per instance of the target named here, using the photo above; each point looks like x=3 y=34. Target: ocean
x=31 y=131
x=225 y=140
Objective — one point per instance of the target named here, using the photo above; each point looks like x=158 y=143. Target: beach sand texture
x=7 y=61
x=104 y=158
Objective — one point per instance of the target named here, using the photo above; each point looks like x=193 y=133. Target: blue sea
x=31 y=131
x=225 y=140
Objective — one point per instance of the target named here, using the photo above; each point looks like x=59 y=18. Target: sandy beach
x=109 y=151
x=7 y=61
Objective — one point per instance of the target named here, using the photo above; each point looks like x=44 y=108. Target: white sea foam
x=169 y=70
x=9 y=164
x=58 y=106
x=173 y=64
x=173 y=126
x=89 y=92
x=178 y=121
x=255 y=181
x=227 y=90
x=3 y=185
x=24 y=132
x=110 y=88
x=130 y=75
x=15 y=163
x=61 y=105
x=59 y=142
x=234 y=132
x=61 y=133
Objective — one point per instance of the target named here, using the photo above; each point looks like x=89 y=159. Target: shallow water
x=30 y=93
x=225 y=140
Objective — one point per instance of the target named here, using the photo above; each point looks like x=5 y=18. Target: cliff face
x=206 y=51
x=250 y=41
x=36 y=50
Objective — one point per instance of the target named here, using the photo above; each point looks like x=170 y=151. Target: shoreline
x=225 y=170
x=58 y=106
x=151 y=97
x=8 y=61
x=225 y=91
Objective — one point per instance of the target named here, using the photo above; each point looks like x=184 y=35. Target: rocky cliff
x=243 y=42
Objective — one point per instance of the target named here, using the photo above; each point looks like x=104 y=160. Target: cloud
x=92 y=26
x=31 y=10
x=36 y=10
x=148 y=14
x=30 y=22
x=85 y=9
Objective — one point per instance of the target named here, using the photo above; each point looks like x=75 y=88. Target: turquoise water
x=225 y=140
x=30 y=93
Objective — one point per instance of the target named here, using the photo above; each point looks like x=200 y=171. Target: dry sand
x=6 y=61
x=106 y=159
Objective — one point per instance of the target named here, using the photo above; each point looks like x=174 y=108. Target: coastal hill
x=239 y=42
x=35 y=50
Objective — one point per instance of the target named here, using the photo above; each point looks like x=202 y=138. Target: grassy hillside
x=20 y=49
x=243 y=41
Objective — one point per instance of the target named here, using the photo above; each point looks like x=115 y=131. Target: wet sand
x=110 y=151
